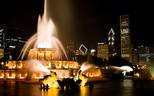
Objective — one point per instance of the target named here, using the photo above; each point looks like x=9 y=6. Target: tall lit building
x=102 y=51
x=2 y=43
x=111 y=43
x=2 y=35
x=126 y=48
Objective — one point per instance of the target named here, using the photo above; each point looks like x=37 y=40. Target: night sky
x=85 y=21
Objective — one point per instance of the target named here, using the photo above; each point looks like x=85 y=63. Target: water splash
x=85 y=66
x=36 y=65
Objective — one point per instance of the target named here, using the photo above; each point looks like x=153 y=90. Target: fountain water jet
x=45 y=38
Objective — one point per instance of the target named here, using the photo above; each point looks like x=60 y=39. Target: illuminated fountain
x=44 y=54
x=44 y=45
x=88 y=72
x=45 y=51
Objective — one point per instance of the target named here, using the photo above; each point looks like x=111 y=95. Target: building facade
x=102 y=51
x=2 y=35
x=12 y=41
x=126 y=47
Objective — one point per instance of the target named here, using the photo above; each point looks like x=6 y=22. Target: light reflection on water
x=84 y=91
x=51 y=92
x=108 y=88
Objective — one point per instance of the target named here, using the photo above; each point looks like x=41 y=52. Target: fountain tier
x=42 y=54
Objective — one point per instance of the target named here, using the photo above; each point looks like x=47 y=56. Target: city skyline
x=91 y=20
x=76 y=48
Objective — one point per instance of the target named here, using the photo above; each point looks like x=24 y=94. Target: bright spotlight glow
x=126 y=68
x=92 y=50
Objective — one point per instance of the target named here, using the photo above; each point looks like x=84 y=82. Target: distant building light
x=100 y=43
x=12 y=46
x=2 y=63
x=19 y=37
x=92 y=50
x=1 y=30
x=8 y=39
x=22 y=41
x=114 y=54
x=111 y=32
x=14 y=39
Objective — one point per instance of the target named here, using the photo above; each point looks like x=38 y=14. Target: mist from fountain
x=35 y=65
x=85 y=66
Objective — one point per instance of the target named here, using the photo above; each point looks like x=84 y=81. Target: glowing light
x=19 y=66
x=111 y=32
x=1 y=30
x=66 y=64
x=53 y=92
x=137 y=75
x=126 y=68
x=10 y=76
x=93 y=50
x=37 y=76
x=84 y=91
x=22 y=76
x=36 y=65
x=86 y=66
x=1 y=75
x=11 y=65
x=93 y=72
x=61 y=73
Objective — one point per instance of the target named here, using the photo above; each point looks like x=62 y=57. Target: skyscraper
x=2 y=43
x=2 y=35
x=126 y=47
x=111 y=42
